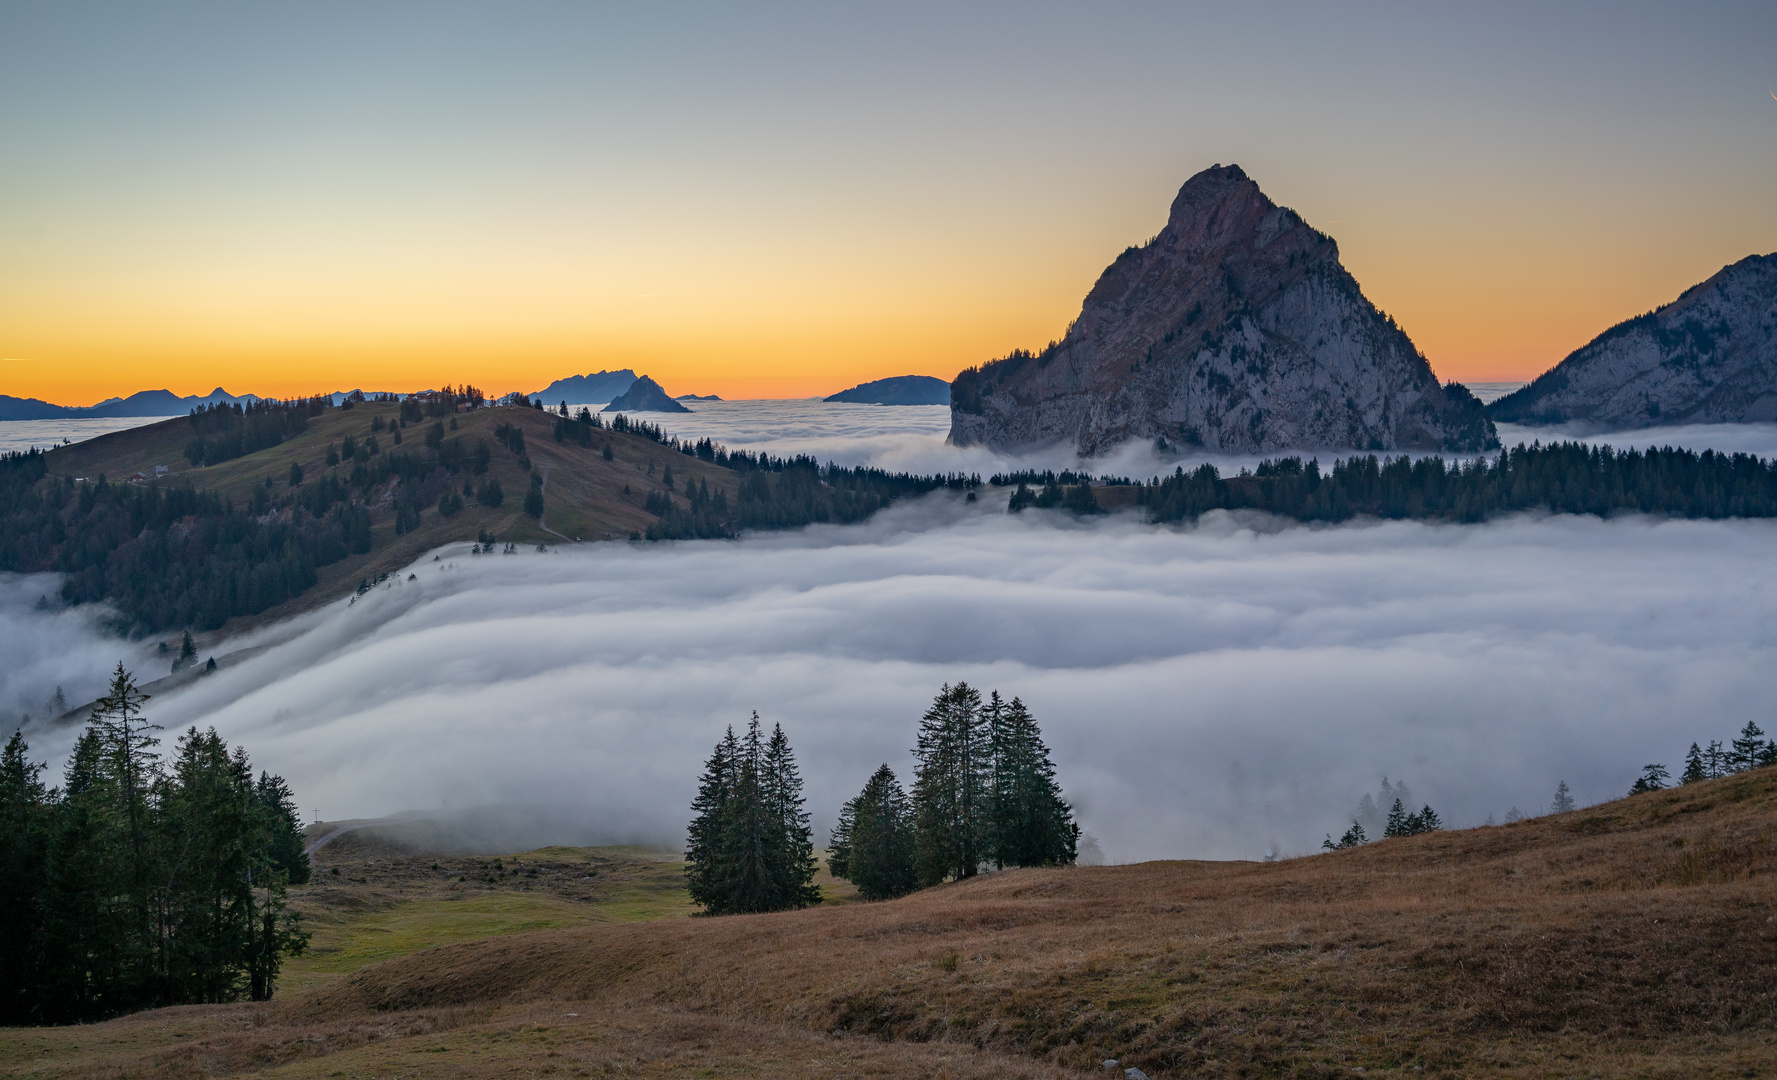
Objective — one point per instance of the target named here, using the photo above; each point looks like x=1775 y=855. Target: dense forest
x=168 y=554
x=1565 y=478
x=140 y=882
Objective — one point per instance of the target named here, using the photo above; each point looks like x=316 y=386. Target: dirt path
x=543 y=522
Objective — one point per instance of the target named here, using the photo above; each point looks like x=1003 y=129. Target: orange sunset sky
x=789 y=201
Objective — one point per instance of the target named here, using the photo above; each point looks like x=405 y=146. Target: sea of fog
x=25 y=434
x=1223 y=690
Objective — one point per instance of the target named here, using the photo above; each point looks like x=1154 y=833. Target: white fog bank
x=1220 y=691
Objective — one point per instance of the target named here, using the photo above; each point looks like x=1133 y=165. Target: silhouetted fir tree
x=704 y=851
x=1030 y=824
x=24 y=842
x=1563 y=799
x=952 y=789
x=1653 y=778
x=1425 y=821
x=1715 y=760
x=781 y=786
x=1354 y=837
x=1748 y=749
x=873 y=844
x=1694 y=769
x=533 y=498
x=750 y=846
x=1397 y=820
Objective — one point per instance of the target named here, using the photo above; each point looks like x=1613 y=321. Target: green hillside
x=231 y=516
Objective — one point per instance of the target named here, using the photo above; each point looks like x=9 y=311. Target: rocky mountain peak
x=1234 y=329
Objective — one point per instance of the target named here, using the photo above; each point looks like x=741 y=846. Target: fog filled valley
x=1223 y=690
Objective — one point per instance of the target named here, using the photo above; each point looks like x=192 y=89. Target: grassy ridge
x=1634 y=938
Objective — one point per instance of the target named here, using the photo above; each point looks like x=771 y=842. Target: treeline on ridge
x=168 y=554
x=1565 y=478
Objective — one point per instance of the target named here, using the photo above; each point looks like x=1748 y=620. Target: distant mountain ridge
x=898 y=390
x=1235 y=329
x=141 y=403
x=1708 y=357
x=645 y=395
x=586 y=389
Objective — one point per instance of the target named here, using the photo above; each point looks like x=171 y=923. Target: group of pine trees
x=140 y=882
x=750 y=848
x=1752 y=750
x=984 y=794
x=1385 y=815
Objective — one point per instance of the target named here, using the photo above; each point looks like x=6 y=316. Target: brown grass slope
x=583 y=493
x=1634 y=938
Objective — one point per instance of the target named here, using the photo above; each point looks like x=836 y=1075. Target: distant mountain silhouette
x=586 y=389
x=1235 y=329
x=644 y=396
x=141 y=403
x=1709 y=357
x=899 y=390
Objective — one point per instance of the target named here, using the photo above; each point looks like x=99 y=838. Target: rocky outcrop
x=1709 y=357
x=644 y=395
x=899 y=390
x=1235 y=329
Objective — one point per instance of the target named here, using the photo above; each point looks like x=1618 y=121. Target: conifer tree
x=24 y=821
x=1715 y=760
x=1653 y=778
x=1694 y=769
x=1748 y=749
x=1563 y=799
x=781 y=784
x=1354 y=837
x=1030 y=824
x=952 y=789
x=1398 y=822
x=750 y=846
x=704 y=851
x=873 y=844
x=1427 y=820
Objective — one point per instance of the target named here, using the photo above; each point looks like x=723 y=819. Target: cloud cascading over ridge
x=1222 y=691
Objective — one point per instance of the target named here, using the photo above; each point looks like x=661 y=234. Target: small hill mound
x=900 y=390
x=645 y=395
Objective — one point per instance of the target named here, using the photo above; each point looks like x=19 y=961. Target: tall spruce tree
x=705 y=862
x=873 y=844
x=781 y=786
x=1748 y=749
x=1563 y=799
x=952 y=788
x=1694 y=769
x=750 y=847
x=1030 y=823
x=24 y=843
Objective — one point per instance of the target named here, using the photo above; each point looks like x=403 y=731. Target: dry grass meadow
x=1637 y=938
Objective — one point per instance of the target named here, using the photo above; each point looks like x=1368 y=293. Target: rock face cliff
x=1708 y=357
x=1235 y=329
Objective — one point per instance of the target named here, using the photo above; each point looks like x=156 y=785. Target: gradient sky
x=786 y=201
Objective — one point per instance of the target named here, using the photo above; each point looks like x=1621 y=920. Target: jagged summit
x=1235 y=329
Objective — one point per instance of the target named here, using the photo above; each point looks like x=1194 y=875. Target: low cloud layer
x=1222 y=691
x=1225 y=690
